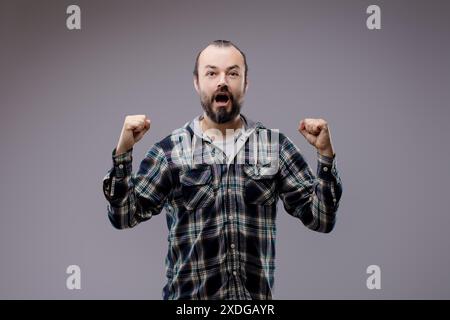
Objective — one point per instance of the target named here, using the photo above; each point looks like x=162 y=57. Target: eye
x=210 y=73
x=234 y=74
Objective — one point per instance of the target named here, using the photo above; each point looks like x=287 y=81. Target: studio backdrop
x=377 y=71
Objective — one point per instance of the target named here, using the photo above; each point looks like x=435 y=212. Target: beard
x=221 y=115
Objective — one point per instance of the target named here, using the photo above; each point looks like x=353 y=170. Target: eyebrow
x=229 y=68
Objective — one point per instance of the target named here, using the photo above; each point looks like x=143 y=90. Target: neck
x=206 y=123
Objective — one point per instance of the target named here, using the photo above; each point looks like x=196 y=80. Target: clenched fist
x=317 y=133
x=134 y=128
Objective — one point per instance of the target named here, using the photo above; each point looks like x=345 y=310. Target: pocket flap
x=258 y=172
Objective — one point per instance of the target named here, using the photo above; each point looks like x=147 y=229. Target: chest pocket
x=198 y=186
x=260 y=184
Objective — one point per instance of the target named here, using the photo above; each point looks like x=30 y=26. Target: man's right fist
x=134 y=128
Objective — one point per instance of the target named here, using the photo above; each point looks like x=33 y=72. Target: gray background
x=64 y=95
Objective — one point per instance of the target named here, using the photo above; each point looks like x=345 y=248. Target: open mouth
x=222 y=98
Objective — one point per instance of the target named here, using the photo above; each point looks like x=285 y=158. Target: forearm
x=325 y=196
x=134 y=198
x=119 y=191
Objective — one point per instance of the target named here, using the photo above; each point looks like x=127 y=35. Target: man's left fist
x=317 y=133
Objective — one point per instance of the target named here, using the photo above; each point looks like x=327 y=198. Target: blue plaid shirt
x=220 y=211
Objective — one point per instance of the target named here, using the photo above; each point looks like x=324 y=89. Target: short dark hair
x=222 y=43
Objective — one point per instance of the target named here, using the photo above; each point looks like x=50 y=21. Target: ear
x=196 y=85
x=246 y=87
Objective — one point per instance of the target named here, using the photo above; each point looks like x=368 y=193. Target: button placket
x=231 y=226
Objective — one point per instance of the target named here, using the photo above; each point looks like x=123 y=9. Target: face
x=221 y=82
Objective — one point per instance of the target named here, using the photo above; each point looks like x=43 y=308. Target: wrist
x=327 y=152
x=121 y=149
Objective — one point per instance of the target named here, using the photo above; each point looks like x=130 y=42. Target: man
x=219 y=178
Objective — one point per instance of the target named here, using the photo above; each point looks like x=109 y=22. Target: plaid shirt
x=221 y=211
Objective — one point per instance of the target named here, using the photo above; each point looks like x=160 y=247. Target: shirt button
x=120 y=166
x=234 y=273
x=325 y=169
x=232 y=246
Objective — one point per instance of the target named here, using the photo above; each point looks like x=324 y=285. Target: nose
x=222 y=81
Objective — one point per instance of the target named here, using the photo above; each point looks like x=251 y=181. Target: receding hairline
x=222 y=44
x=222 y=47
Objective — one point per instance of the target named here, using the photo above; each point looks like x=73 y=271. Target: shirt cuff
x=326 y=167
x=122 y=163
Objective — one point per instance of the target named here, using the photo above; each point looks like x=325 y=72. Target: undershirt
x=227 y=145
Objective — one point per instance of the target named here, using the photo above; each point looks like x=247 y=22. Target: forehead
x=221 y=57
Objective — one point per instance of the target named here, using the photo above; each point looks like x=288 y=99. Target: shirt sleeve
x=314 y=199
x=136 y=197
